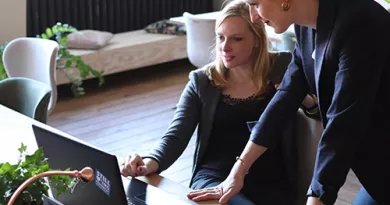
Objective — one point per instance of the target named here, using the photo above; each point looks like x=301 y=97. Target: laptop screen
x=63 y=153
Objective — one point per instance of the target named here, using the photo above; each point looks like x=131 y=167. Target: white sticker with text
x=102 y=182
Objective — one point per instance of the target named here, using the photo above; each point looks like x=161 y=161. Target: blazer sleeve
x=283 y=105
x=361 y=63
x=181 y=128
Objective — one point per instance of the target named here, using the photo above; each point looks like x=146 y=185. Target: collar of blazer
x=325 y=23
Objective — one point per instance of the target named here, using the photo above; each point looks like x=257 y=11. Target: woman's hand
x=224 y=191
x=310 y=101
x=134 y=166
x=313 y=201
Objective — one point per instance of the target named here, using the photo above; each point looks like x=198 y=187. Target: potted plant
x=13 y=175
x=66 y=62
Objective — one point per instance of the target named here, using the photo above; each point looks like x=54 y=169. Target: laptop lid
x=65 y=152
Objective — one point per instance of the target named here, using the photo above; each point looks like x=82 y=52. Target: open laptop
x=108 y=185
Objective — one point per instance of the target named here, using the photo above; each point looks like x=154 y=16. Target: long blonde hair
x=264 y=59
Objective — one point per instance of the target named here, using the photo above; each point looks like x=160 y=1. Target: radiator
x=107 y=15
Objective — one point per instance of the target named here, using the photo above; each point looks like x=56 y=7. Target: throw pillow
x=166 y=27
x=88 y=39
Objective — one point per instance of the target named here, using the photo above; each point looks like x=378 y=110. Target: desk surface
x=16 y=128
x=214 y=15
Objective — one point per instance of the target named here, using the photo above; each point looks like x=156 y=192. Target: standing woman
x=343 y=55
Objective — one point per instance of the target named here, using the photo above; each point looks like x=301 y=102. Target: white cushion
x=88 y=39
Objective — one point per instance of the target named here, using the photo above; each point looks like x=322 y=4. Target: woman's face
x=235 y=42
x=270 y=12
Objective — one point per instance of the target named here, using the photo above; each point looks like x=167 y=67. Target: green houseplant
x=66 y=62
x=13 y=175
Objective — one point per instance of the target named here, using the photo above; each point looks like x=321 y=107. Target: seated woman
x=221 y=98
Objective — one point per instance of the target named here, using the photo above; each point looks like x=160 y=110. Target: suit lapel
x=210 y=102
x=210 y=105
x=325 y=23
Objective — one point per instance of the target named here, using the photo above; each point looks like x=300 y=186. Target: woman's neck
x=240 y=75
x=306 y=12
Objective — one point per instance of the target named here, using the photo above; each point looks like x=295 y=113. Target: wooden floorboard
x=133 y=110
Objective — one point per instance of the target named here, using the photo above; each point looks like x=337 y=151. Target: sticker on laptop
x=102 y=182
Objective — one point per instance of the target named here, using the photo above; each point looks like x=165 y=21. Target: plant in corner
x=12 y=176
x=66 y=62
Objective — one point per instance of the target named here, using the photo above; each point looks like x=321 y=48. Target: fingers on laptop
x=134 y=166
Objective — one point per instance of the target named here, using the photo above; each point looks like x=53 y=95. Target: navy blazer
x=350 y=75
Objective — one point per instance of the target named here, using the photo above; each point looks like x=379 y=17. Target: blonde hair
x=263 y=58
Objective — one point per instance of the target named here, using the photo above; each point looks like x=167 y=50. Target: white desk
x=16 y=128
x=276 y=38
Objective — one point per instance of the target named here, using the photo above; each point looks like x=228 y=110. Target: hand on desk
x=224 y=191
x=134 y=166
x=313 y=201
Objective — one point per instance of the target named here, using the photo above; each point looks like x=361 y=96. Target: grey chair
x=26 y=96
x=307 y=133
x=300 y=138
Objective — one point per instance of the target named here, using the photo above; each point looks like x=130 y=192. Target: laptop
x=108 y=186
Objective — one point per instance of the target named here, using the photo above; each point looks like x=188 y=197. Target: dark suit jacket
x=350 y=75
x=196 y=109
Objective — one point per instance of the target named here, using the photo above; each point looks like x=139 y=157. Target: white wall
x=12 y=19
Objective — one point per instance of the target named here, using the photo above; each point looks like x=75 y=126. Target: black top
x=229 y=136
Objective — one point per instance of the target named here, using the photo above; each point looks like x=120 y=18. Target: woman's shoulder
x=200 y=76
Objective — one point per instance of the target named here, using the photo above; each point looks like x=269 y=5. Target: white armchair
x=33 y=58
x=200 y=39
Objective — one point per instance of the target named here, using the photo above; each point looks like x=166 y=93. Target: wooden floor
x=132 y=111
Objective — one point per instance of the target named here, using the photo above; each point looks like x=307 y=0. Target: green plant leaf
x=66 y=61
x=49 y=32
x=13 y=175
x=3 y=74
x=22 y=148
x=44 y=36
x=5 y=167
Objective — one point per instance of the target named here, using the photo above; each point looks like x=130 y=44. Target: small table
x=16 y=128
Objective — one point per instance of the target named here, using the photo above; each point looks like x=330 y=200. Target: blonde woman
x=222 y=99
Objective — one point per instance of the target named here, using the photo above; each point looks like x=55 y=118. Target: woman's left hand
x=224 y=191
x=310 y=101
x=313 y=201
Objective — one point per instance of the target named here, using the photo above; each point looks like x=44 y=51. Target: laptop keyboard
x=129 y=202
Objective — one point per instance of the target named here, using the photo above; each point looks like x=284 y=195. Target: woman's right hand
x=231 y=186
x=134 y=166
